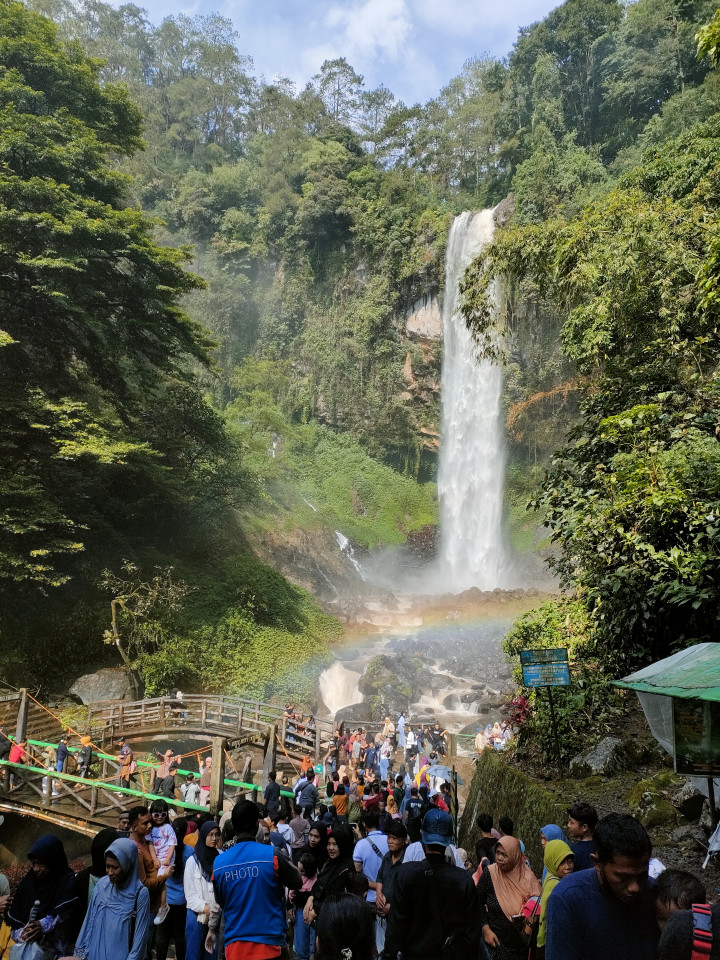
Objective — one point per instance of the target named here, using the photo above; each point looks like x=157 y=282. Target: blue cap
x=437 y=828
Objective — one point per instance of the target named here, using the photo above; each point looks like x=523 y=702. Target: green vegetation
x=165 y=418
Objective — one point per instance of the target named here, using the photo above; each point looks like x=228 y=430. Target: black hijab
x=331 y=878
x=205 y=855
x=54 y=891
x=320 y=851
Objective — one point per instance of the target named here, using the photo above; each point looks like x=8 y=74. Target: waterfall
x=339 y=687
x=347 y=550
x=472 y=454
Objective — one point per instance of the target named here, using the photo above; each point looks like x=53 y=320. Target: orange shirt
x=340 y=802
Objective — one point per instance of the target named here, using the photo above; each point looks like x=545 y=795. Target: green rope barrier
x=146 y=764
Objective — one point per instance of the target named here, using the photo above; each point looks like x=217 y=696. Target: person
x=303 y=941
x=140 y=826
x=413 y=806
x=205 y=780
x=433 y=913
x=485 y=846
x=117 y=924
x=551 y=831
x=503 y=889
x=386 y=752
x=368 y=856
x=676 y=890
x=86 y=880
x=190 y=790
x=202 y=909
x=345 y=929
x=249 y=881
x=559 y=862
x=85 y=756
x=340 y=803
x=335 y=873
x=173 y=926
x=317 y=842
x=165 y=774
x=678 y=940
x=62 y=754
x=401 y=730
x=300 y=827
x=354 y=804
x=306 y=796
x=127 y=764
x=608 y=911
x=5 y=743
x=480 y=740
x=438 y=738
x=387 y=874
x=271 y=794
x=411 y=749
x=582 y=818
x=19 y=753
x=123 y=823
x=162 y=842
x=51 y=882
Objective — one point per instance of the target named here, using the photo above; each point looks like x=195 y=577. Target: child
x=162 y=841
x=304 y=940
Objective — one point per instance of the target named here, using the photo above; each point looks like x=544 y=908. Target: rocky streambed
x=432 y=660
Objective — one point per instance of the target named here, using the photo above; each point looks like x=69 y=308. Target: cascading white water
x=339 y=686
x=471 y=472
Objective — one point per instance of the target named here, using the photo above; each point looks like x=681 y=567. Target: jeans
x=401 y=739
x=384 y=764
x=304 y=944
x=172 y=928
x=195 y=934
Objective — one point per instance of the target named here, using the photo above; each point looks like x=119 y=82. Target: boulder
x=689 y=801
x=606 y=758
x=355 y=714
x=110 y=683
x=655 y=810
x=689 y=833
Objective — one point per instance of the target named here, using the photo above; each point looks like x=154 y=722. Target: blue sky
x=412 y=46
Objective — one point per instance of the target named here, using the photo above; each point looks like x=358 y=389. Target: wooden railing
x=231 y=717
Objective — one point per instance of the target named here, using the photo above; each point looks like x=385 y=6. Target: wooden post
x=240 y=718
x=21 y=727
x=318 y=742
x=218 y=776
x=246 y=774
x=204 y=714
x=283 y=733
x=269 y=758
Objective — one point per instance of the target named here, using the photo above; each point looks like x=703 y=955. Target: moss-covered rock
x=502 y=790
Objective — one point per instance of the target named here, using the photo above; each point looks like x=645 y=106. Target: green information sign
x=545 y=668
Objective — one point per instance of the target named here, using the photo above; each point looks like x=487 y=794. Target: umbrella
x=445 y=773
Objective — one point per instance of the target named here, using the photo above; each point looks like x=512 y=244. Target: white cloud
x=372 y=28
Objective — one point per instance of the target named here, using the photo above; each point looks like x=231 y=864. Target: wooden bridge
x=85 y=805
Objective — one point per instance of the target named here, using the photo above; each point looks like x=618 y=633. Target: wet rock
x=505 y=210
x=354 y=714
x=110 y=683
x=688 y=801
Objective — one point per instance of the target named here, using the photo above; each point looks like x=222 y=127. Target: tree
x=339 y=86
x=92 y=329
x=632 y=499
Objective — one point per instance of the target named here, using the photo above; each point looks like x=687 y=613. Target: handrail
x=141 y=763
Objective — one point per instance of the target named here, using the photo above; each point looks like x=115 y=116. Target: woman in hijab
x=87 y=879
x=316 y=843
x=51 y=882
x=334 y=875
x=202 y=908
x=559 y=862
x=504 y=889
x=551 y=831
x=117 y=924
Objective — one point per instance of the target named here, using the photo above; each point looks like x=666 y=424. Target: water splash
x=471 y=472
x=339 y=686
x=347 y=550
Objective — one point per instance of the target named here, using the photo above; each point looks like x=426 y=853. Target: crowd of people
x=363 y=865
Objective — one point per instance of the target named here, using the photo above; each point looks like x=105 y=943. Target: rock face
x=606 y=758
x=110 y=683
x=387 y=686
x=425 y=319
x=689 y=801
x=505 y=210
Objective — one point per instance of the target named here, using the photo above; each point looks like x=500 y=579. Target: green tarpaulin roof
x=694 y=672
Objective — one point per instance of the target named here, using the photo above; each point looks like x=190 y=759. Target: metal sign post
x=547 y=668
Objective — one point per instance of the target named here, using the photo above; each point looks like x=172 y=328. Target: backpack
x=702 y=931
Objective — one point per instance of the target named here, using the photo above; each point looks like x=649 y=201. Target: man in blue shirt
x=607 y=911
x=582 y=818
x=249 y=881
x=368 y=855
